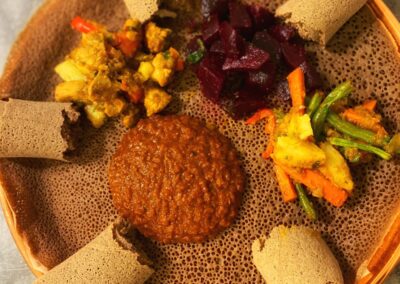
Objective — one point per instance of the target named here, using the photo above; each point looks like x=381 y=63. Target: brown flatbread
x=295 y=255
x=142 y=9
x=59 y=207
x=36 y=129
x=318 y=20
x=109 y=258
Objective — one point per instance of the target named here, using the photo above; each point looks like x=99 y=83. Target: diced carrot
x=259 y=115
x=315 y=181
x=285 y=184
x=180 y=64
x=270 y=125
x=82 y=25
x=297 y=89
x=128 y=46
x=385 y=251
x=269 y=130
x=369 y=105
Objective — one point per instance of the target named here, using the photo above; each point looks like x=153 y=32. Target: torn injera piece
x=318 y=20
x=142 y=10
x=36 y=129
x=109 y=258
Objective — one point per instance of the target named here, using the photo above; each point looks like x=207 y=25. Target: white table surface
x=13 y=16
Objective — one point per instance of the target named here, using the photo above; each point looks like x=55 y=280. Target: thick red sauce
x=176 y=180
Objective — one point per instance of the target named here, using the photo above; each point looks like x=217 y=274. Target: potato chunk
x=336 y=168
x=300 y=126
x=294 y=152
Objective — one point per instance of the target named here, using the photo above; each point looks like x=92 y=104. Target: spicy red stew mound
x=176 y=180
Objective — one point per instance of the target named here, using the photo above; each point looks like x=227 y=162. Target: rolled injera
x=109 y=258
x=142 y=10
x=318 y=20
x=36 y=129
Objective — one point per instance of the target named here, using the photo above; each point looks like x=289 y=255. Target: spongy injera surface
x=61 y=207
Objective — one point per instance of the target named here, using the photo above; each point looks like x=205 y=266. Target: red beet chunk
x=239 y=16
x=210 y=30
x=263 y=79
x=262 y=18
x=247 y=102
x=211 y=78
x=266 y=42
x=313 y=78
x=294 y=54
x=232 y=41
x=217 y=48
x=253 y=59
x=282 y=32
x=209 y=7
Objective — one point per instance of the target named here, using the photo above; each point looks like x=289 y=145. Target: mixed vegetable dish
x=116 y=74
x=315 y=142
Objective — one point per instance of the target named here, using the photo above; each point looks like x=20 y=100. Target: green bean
x=314 y=103
x=367 y=148
x=306 y=203
x=354 y=131
x=318 y=120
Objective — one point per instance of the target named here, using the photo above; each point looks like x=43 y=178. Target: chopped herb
x=197 y=56
x=166 y=54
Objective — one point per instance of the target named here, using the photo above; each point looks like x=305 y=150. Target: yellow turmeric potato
x=68 y=71
x=300 y=126
x=146 y=69
x=72 y=91
x=96 y=117
x=336 y=168
x=155 y=100
x=294 y=152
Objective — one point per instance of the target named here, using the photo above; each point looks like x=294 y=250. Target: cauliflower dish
x=117 y=74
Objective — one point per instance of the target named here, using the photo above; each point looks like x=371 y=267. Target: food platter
x=54 y=209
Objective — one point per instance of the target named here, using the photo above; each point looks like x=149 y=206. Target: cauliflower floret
x=156 y=37
x=156 y=100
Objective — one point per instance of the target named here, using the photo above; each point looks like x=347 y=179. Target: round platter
x=53 y=208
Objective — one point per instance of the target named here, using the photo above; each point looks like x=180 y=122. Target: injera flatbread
x=109 y=258
x=35 y=129
x=142 y=9
x=318 y=20
x=60 y=207
x=295 y=255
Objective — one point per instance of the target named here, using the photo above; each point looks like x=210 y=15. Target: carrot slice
x=297 y=89
x=82 y=25
x=285 y=184
x=364 y=120
x=315 y=181
x=269 y=130
x=259 y=115
x=370 y=105
x=270 y=149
